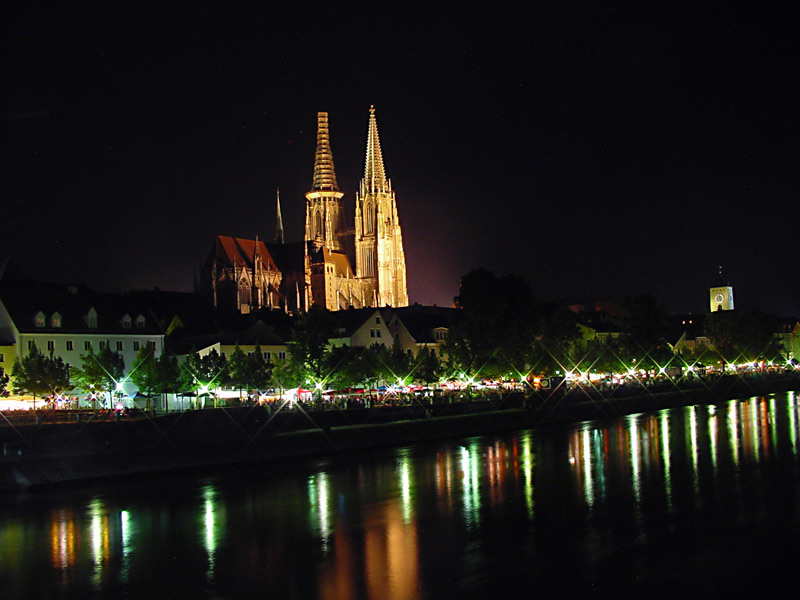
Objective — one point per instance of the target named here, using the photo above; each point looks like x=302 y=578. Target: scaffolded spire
x=374 y=173
x=324 y=174
x=279 y=221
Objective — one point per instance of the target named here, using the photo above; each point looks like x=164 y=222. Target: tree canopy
x=40 y=374
x=101 y=371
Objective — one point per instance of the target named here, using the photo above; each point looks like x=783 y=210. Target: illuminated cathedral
x=332 y=267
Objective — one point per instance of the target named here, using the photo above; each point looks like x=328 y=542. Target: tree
x=308 y=345
x=156 y=375
x=101 y=371
x=207 y=371
x=497 y=326
x=427 y=367
x=644 y=330
x=3 y=382
x=743 y=336
x=40 y=374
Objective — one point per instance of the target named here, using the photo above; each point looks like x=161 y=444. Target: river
x=702 y=501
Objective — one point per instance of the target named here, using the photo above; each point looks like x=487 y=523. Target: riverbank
x=47 y=455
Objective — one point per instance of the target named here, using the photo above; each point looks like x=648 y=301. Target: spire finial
x=324 y=174
x=374 y=173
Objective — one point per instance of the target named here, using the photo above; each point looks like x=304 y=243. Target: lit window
x=91 y=318
x=40 y=319
x=55 y=320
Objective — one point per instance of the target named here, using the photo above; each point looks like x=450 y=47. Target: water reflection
x=403 y=526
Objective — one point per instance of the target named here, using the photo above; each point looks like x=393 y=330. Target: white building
x=68 y=321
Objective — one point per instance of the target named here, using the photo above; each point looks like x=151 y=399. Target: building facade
x=334 y=267
x=69 y=323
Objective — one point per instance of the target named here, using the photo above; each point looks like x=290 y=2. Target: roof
x=347 y=322
x=242 y=252
x=422 y=321
x=340 y=261
x=73 y=305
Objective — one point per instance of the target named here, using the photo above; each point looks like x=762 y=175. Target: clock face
x=719 y=298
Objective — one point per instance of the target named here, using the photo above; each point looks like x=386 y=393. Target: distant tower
x=378 y=239
x=721 y=295
x=279 y=220
x=324 y=200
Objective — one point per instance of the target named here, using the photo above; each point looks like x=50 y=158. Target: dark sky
x=596 y=150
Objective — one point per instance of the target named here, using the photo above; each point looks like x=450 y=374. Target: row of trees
x=503 y=330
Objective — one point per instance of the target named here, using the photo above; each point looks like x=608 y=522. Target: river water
x=701 y=501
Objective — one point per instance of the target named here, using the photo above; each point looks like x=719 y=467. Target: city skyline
x=596 y=153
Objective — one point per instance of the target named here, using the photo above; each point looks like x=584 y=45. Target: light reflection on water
x=454 y=519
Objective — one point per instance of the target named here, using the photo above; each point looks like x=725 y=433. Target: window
x=282 y=355
x=87 y=345
x=151 y=344
x=39 y=319
x=377 y=333
x=91 y=318
x=136 y=346
x=2 y=357
x=371 y=333
x=31 y=344
x=119 y=346
x=377 y=320
x=267 y=355
x=440 y=335
x=51 y=345
x=140 y=322
x=103 y=345
x=70 y=345
x=224 y=356
x=126 y=322
x=55 y=320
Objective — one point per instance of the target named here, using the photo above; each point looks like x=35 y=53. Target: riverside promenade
x=48 y=449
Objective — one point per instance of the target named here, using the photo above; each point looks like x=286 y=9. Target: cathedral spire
x=374 y=173
x=279 y=221
x=324 y=200
x=324 y=174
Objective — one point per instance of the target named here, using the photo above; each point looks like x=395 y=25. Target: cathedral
x=332 y=267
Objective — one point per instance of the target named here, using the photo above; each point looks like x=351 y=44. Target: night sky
x=596 y=150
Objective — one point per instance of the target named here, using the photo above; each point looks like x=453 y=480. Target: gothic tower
x=380 y=259
x=324 y=200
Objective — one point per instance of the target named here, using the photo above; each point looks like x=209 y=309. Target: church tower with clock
x=721 y=295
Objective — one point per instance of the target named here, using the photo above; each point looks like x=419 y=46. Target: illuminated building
x=333 y=267
x=721 y=295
